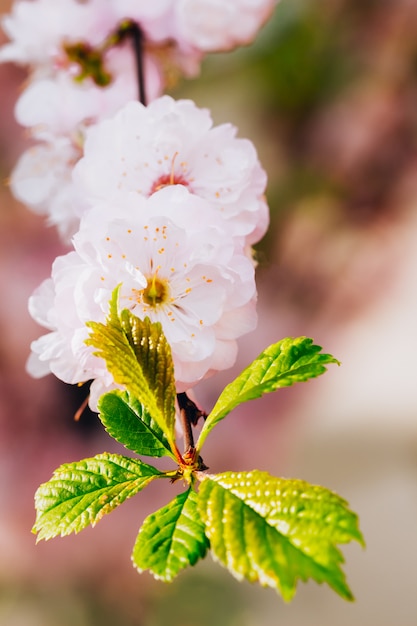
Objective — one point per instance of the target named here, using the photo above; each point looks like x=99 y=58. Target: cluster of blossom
x=153 y=198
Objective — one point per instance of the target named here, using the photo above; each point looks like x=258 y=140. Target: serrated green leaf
x=81 y=493
x=171 y=539
x=126 y=420
x=153 y=352
x=276 y=531
x=139 y=358
x=284 y=363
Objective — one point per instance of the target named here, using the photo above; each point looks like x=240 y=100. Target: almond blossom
x=214 y=25
x=45 y=33
x=57 y=112
x=158 y=200
x=196 y=27
x=37 y=30
x=185 y=273
x=142 y=149
x=66 y=94
x=42 y=180
x=55 y=107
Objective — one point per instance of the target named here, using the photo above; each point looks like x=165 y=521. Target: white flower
x=213 y=25
x=45 y=34
x=197 y=26
x=176 y=264
x=57 y=112
x=142 y=149
x=58 y=104
x=37 y=29
x=42 y=32
x=42 y=180
x=177 y=32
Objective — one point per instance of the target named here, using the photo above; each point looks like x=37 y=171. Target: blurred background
x=328 y=94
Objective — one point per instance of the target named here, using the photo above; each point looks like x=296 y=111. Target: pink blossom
x=213 y=25
x=181 y=271
x=143 y=149
x=37 y=30
x=57 y=112
x=42 y=180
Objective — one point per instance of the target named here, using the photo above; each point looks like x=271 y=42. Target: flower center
x=88 y=61
x=156 y=292
x=169 y=179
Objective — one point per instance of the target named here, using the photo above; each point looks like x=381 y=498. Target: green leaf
x=139 y=358
x=153 y=352
x=276 y=531
x=171 y=538
x=284 y=363
x=126 y=420
x=80 y=494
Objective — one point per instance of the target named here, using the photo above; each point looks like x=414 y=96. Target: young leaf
x=126 y=420
x=81 y=493
x=284 y=363
x=153 y=352
x=276 y=531
x=139 y=358
x=171 y=538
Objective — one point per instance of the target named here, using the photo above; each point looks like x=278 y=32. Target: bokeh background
x=328 y=93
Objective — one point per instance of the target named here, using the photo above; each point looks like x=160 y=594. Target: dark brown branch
x=189 y=415
x=186 y=421
x=138 y=40
x=193 y=412
x=132 y=30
